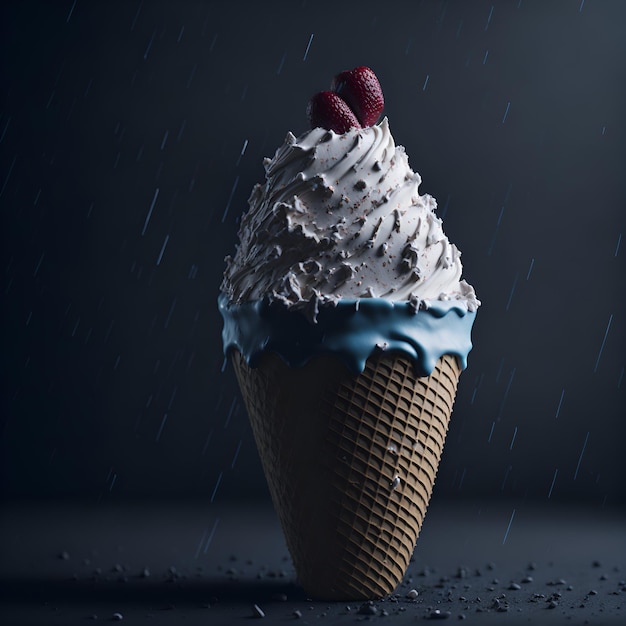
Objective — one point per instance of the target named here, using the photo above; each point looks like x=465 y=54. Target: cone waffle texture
x=350 y=463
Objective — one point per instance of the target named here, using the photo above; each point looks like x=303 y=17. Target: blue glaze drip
x=352 y=330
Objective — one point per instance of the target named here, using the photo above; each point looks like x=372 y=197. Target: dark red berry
x=328 y=110
x=361 y=90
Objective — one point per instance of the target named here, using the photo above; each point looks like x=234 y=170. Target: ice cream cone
x=350 y=462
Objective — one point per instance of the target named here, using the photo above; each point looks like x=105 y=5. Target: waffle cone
x=350 y=462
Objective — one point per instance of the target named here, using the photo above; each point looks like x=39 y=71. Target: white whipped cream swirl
x=340 y=217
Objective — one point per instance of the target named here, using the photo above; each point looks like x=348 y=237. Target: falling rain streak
x=145 y=54
x=110 y=479
x=508 y=528
x=556 y=471
x=132 y=26
x=154 y=199
x=158 y=435
x=191 y=75
x=38 y=264
x=499 y=372
x=606 y=333
x=506 y=393
x=210 y=537
x=506 y=475
x=508 y=304
x=489 y=17
x=4 y=130
x=169 y=314
x=243 y=150
x=217 y=484
x=530 y=269
x=167 y=238
x=232 y=464
x=619 y=240
x=282 y=62
x=230 y=412
x=580 y=458
x=477 y=387
x=495 y=234
x=6 y=180
x=206 y=443
x=462 y=477
x=506 y=112
x=200 y=544
x=205 y=541
x=308 y=46
x=558 y=408
x=230 y=198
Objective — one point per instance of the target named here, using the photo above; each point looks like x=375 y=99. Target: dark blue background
x=131 y=134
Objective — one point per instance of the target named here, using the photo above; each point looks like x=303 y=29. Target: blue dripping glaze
x=352 y=330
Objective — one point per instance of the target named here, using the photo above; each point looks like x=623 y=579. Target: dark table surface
x=195 y=563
